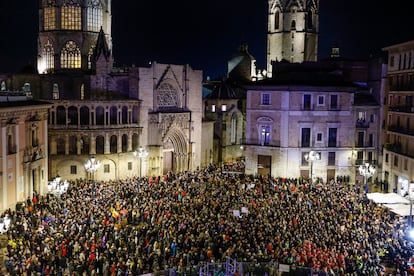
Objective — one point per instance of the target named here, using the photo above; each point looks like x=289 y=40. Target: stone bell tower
x=292 y=31
x=69 y=32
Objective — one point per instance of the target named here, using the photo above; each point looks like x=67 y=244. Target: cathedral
x=104 y=112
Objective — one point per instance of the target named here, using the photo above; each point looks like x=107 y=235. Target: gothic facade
x=102 y=111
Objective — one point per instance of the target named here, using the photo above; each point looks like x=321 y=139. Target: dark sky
x=206 y=34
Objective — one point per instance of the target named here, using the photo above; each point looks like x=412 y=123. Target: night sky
x=206 y=34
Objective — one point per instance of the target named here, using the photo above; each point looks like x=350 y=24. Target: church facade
x=101 y=111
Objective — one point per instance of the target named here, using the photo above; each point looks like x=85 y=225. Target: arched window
x=70 y=56
x=293 y=25
x=48 y=56
x=100 y=145
x=73 y=145
x=124 y=143
x=167 y=96
x=100 y=115
x=90 y=55
x=72 y=116
x=113 y=112
x=277 y=19
x=84 y=116
x=310 y=20
x=135 y=112
x=265 y=130
x=233 y=130
x=82 y=91
x=113 y=144
x=84 y=144
x=61 y=115
x=55 y=93
x=49 y=16
x=94 y=15
x=71 y=15
x=124 y=115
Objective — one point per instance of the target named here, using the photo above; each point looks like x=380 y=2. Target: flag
x=114 y=212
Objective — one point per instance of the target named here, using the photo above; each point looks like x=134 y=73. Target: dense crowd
x=136 y=226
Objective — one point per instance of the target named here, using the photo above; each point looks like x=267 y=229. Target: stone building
x=398 y=131
x=310 y=107
x=106 y=112
x=23 y=143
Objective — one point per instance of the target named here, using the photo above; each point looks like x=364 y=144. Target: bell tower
x=292 y=31
x=69 y=32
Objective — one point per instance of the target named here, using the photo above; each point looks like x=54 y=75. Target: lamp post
x=310 y=157
x=367 y=170
x=92 y=165
x=140 y=153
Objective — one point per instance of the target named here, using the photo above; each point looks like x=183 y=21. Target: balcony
x=12 y=149
x=394 y=147
x=359 y=162
x=402 y=87
x=257 y=142
x=401 y=130
x=402 y=108
x=361 y=124
x=397 y=148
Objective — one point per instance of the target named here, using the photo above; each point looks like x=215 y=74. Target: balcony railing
x=359 y=162
x=397 y=148
x=401 y=130
x=402 y=108
x=257 y=142
x=364 y=144
x=12 y=149
x=361 y=124
x=402 y=87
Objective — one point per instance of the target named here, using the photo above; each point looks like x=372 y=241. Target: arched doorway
x=175 y=152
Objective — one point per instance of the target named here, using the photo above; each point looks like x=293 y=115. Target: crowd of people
x=141 y=225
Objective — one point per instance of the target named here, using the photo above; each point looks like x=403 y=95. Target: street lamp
x=367 y=170
x=310 y=157
x=140 y=153
x=92 y=165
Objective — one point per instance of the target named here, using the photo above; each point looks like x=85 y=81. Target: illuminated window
x=55 y=93
x=224 y=107
x=27 y=88
x=94 y=16
x=71 y=15
x=90 y=55
x=48 y=56
x=82 y=91
x=70 y=56
x=167 y=96
x=49 y=17
x=3 y=86
x=264 y=135
x=213 y=108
